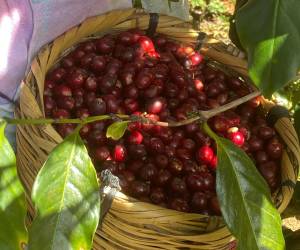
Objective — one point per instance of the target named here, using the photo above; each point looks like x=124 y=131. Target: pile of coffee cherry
x=160 y=80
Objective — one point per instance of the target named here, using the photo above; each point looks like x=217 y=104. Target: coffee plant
x=66 y=192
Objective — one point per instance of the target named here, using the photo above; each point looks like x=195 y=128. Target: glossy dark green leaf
x=117 y=130
x=13 y=233
x=245 y=199
x=269 y=30
x=67 y=201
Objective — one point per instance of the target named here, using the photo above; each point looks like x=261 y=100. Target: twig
x=201 y=115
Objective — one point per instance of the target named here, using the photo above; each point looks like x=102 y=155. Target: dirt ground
x=218 y=26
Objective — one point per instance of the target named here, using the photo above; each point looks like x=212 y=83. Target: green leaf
x=269 y=30
x=245 y=199
x=67 y=200
x=13 y=233
x=117 y=130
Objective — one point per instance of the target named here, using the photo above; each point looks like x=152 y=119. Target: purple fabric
x=15 y=32
x=25 y=26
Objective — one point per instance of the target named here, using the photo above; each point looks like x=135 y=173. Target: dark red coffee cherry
x=220 y=124
x=77 y=54
x=105 y=45
x=57 y=74
x=131 y=105
x=163 y=177
x=175 y=166
x=76 y=78
x=97 y=137
x=143 y=80
x=131 y=92
x=98 y=64
x=127 y=55
x=190 y=167
x=189 y=144
x=170 y=151
x=157 y=195
x=134 y=166
x=195 y=182
x=269 y=171
x=60 y=114
x=67 y=103
x=97 y=106
x=49 y=103
x=137 y=151
x=128 y=175
x=171 y=90
x=62 y=90
x=110 y=165
x=274 y=149
x=214 y=205
x=124 y=184
x=213 y=90
x=208 y=181
x=139 y=189
x=65 y=129
x=255 y=144
x=179 y=204
x=90 y=83
x=234 y=83
x=161 y=160
x=107 y=84
x=86 y=60
x=202 y=139
x=192 y=128
x=156 y=105
x=102 y=153
x=261 y=157
x=112 y=104
x=126 y=38
x=266 y=132
x=156 y=145
x=67 y=62
x=183 y=154
x=199 y=202
x=85 y=131
x=178 y=186
x=148 y=172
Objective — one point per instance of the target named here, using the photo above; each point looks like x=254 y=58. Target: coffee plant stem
x=40 y=121
x=200 y=115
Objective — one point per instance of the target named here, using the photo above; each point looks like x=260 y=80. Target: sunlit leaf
x=245 y=199
x=67 y=201
x=269 y=30
x=117 y=130
x=13 y=233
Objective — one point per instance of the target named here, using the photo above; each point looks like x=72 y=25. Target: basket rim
x=30 y=78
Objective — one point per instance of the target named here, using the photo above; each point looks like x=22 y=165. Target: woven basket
x=132 y=224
